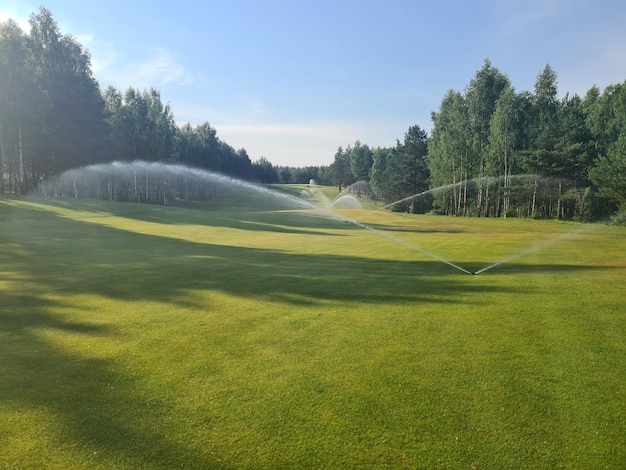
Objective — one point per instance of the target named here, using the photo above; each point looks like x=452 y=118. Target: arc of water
x=535 y=248
x=409 y=245
x=406 y=199
x=445 y=187
x=106 y=170
x=397 y=240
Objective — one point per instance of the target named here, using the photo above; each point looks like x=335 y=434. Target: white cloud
x=159 y=67
x=257 y=108
x=138 y=67
x=112 y=66
x=103 y=56
x=163 y=67
x=23 y=23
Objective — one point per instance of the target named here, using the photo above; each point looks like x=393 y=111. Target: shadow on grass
x=79 y=257
x=93 y=404
x=102 y=407
x=413 y=229
x=269 y=219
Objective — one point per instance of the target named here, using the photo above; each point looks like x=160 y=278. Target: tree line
x=494 y=152
x=54 y=116
x=571 y=151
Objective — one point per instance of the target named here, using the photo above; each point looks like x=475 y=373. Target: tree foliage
x=341 y=168
x=54 y=116
x=491 y=152
x=483 y=140
x=402 y=172
x=361 y=158
x=609 y=172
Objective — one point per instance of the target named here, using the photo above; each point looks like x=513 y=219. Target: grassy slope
x=149 y=337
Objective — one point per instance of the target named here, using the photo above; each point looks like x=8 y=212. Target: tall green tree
x=606 y=115
x=200 y=147
x=449 y=155
x=482 y=95
x=576 y=148
x=591 y=106
x=503 y=140
x=238 y=164
x=379 y=174
x=341 y=167
x=22 y=104
x=401 y=172
x=413 y=153
x=541 y=156
x=609 y=173
x=264 y=171
x=141 y=126
x=361 y=159
x=390 y=178
x=74 y=122
x=606 y=119
x=546 y=106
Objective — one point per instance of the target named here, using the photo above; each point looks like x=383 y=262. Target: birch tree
x=482 y=94
x=502 y=144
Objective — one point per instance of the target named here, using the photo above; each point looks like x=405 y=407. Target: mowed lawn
x=145 y=337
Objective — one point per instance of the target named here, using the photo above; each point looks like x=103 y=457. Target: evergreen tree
x=609 y=173
x=412 y=154
x=53 y=116
x=401 y=172
x=607 y=120
x=200 y=147
x=341 y=168
x=361 y=159
x=378 y=176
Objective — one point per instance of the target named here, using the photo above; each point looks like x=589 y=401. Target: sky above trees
x=291 y=81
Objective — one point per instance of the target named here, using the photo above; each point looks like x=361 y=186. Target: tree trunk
x=20 y=151
x=534 y=200
x=136 y=191
x=486 y=209
x=2 y=160
x=505 y=202
x=465 y=196
x=559 y=202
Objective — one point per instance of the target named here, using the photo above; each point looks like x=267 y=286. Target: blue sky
x=292 y=81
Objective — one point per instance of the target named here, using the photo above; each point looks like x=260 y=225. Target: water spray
x=483 y=179
x=402 y=242
x=535 y=248
x=157 y=182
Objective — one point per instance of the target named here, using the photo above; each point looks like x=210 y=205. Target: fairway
x=149 y=337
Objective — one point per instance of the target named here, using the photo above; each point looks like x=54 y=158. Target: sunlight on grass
x=149 y=337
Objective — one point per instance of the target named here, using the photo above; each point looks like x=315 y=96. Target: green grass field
x=147 y=337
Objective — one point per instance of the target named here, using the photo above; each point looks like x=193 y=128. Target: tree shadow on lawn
x=516 y=268
x=446 y=228
x=98 y=413
x=79 y=257
x=303 y=221
x=100 y=406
